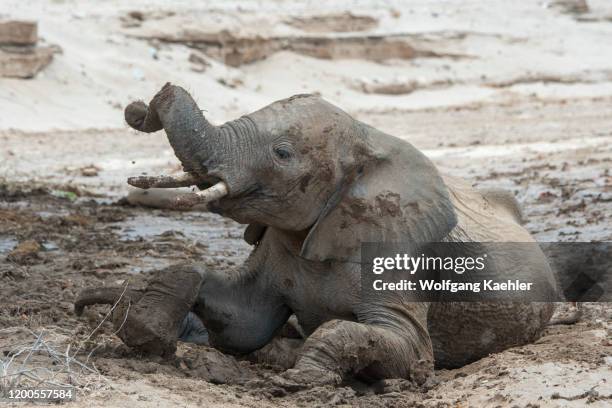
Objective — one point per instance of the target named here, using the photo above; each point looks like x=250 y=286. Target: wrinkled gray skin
x=313 y=183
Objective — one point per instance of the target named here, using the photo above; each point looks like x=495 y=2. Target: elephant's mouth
x=212 y=188
x=214 y=192
x=243 y=206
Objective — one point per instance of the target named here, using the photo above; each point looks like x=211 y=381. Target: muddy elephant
x=312 y=183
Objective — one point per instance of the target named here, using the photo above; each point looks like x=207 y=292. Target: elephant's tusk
x=213 y=193
x=181 y=180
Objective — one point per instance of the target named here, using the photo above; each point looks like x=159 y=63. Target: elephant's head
x=301 y=164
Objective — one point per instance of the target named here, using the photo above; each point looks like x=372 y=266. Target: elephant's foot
x=152 y=324
x=341 y=348
x=150 y=320
x=282 y=352
x=298 y=379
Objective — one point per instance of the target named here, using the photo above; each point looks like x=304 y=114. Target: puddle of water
x=98 y=200
x=50 y=246
x=7 y=244
x=149 y=263
x=52 y=214
x=214 y=232
x=489 y=151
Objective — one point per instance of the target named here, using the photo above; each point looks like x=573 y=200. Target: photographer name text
x=454 y=287
x=410 y=265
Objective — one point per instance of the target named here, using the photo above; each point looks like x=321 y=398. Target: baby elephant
x=313 y=184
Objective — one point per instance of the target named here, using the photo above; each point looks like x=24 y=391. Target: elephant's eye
x=283 y=153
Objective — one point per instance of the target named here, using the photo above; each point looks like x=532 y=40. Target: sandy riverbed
x=517 y=96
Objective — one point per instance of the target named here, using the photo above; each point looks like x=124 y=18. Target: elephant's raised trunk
x=189 y=133
x=191 y=136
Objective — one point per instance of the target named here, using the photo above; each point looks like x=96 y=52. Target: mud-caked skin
x=313 y=184
x=150 y=328
x=152 y=319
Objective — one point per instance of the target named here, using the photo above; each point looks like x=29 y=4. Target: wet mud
x=53 y=245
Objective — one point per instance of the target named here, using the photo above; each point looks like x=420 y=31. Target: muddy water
x=89 y=243
x=108 y=240
x=221 y=239
x=7 y=244
x=207 y=229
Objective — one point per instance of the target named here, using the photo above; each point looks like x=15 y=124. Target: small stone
x=90 y=171
x=25 y=253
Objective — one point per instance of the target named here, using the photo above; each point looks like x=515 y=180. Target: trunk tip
x=140 y=117
x=135 y=114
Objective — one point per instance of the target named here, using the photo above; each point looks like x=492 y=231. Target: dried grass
x=48 y=358
x=43 y=362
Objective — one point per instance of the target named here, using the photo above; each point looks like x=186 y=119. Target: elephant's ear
x=398 y=198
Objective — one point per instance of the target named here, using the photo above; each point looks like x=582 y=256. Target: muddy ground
x=73 y=236
x=511 y=95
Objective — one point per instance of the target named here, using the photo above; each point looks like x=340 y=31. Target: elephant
x=312 y=184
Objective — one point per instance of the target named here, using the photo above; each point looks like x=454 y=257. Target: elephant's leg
x=152 y=319
x=281 y=351
x=192 y=330
x=387 y=344
x=232 y=312
x=284 y=349
x=152 y=324
x=239 y=312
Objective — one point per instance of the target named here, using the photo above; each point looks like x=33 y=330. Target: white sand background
x=101 y=69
